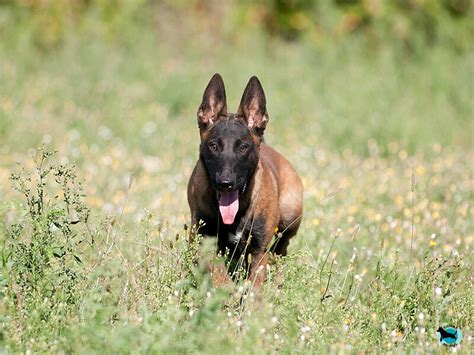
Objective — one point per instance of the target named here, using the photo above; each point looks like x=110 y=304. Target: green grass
x=381 y=139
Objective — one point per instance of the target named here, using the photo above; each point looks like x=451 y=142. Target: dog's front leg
x=258 y=267
x=219 y=275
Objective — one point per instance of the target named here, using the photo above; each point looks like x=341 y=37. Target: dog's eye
x=213 y=147
x=243 y=148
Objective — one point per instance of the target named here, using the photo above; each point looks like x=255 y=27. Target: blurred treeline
x=410 y=24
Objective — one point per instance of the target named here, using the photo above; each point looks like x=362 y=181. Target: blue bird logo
x=449 y=335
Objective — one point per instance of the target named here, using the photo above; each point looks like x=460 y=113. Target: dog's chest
x=245 y=227
x=234 y=237
x=240 y=232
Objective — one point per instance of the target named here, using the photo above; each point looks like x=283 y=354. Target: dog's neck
x=252 y=189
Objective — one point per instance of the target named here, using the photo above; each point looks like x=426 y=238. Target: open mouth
x=229 y=205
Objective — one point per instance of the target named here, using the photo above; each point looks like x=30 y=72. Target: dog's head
x=230 y=143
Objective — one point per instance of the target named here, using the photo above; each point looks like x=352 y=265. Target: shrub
x=41 y=256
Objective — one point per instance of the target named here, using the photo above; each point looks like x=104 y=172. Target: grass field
x=94 y=253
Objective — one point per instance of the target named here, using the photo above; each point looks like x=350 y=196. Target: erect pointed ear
x=253 y=106
x=213 y=103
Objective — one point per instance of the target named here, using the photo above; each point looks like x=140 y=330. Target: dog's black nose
x=225 y=185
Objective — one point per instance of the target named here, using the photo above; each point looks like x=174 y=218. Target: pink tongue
x=229 y=206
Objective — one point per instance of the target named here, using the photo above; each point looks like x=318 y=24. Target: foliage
x=410 y=23
x=139 y=285
x=413 y=24
x=41 y=252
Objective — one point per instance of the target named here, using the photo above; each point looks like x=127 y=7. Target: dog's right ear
x=253 y=106
x=213 y=103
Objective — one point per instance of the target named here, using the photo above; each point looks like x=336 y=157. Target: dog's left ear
x=213 y=103
x=253 y=106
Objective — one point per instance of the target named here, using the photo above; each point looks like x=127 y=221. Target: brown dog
x=243 y=190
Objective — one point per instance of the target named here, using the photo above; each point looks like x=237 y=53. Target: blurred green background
x=337 y=72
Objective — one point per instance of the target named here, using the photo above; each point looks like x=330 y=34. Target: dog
x=241 y=190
